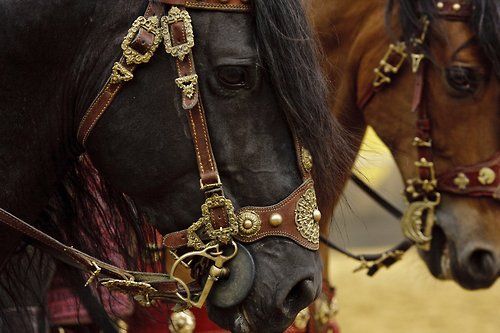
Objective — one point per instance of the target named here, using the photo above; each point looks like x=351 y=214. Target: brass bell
x=276 y=219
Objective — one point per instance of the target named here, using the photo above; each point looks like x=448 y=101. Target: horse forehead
x=228 y=35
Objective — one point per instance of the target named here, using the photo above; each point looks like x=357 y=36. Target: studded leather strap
x=454 y=10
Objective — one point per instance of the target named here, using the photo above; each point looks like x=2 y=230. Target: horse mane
x=485 y=22
x=288 y=52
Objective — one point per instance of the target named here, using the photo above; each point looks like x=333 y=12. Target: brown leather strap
x=219 y=5
x=478 y=180
x=454 y=10
x=293 y=218
x=144 y=41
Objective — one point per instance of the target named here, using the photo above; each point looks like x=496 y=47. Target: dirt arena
x=406 y=299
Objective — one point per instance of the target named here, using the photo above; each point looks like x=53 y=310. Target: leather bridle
x=423 y=192
x=296 y=217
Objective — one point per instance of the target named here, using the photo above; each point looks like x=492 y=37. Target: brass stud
x=486 y=176
x=461 y=181
x=317 y=215
x=456 y=7
x=440 y=5
x=275 y=220
x=183 y=321
x=247 y=224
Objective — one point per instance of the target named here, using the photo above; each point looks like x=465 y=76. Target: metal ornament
x=249 y=223
x=306 y=159
x=486 y=176
x=140 y=291
x=177 y=15
x=221 y=235
x=302 y=319
x=461 y=181
x=385 y=68
x=151 y=25
x=305 y=216
x=119 y=73
x=217 y=271
x=187 y=84
x=275 y=220
x=413 y=224
x=182 y=322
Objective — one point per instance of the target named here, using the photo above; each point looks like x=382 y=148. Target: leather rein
x=296 y=217
x=423 y=192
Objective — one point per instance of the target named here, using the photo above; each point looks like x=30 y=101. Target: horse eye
x=462 y=79
x=233 y=77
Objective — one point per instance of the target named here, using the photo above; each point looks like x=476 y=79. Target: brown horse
x=446 y=70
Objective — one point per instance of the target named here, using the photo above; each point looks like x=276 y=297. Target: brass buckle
x=151 y=25
x=217 y=270
x=177 y=15
x=221 y=235
x=385 y=67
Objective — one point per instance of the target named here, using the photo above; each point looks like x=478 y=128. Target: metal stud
x=440 y=5
x=317 y=215
x=456 y=7
x=275 y=220
x=248 y=224
x=461 y=181
x=486 y=176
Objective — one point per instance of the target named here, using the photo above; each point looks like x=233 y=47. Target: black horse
x=261 y=83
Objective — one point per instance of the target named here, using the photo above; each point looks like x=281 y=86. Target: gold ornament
x=182 y=322
x=305 y=216
x=249 y=223
x=307 y=160
x=275 y=220
x=302 y=319
x=461 y=181
x=486 y=176
x=151 y=25
x=177 y=15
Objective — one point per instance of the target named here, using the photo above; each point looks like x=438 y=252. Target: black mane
x=485 y=22
x=289 y=53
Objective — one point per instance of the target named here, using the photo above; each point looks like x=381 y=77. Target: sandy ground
x=407 y=299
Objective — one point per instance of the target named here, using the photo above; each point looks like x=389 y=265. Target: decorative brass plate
x=177 y=15
x=187 y=84
x=304 y=216
x=306 y=159
x=151 y=25
x=486 y=176
x=120 y=73
x=222 y=235
x=249 y=223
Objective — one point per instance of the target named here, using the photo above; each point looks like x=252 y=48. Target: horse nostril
x=482 y=263
x=299 y=297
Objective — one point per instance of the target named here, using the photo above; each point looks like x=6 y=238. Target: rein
x=219 y=227
x=423 y=192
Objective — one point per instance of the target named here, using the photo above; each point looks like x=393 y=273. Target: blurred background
x=405 y=298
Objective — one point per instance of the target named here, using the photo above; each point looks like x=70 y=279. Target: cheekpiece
x=204 y=224
x=151 y=25
x=177 y=15
x=305 y=220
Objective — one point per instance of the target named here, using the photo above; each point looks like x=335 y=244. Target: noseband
x=423 y=192
x=219 y=227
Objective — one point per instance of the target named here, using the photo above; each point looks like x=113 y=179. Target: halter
x=423 y=192
x=296 y=217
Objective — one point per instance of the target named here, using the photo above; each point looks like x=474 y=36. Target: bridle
x=213 y=236
x=423 y=192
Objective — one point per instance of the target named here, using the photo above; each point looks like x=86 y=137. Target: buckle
x=204 y=224
x=385 y=67
x=151 y=25
x=177 y=15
